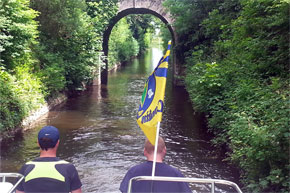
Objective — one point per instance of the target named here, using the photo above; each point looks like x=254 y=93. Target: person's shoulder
x=29 y=163
x=66 y=164
x=173 y=170
x=27 y=167
x=140 y=166
x=63 y=162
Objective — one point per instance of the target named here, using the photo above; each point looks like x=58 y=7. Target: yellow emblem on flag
x=151 y=107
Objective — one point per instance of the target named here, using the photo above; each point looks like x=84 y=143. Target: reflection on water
x=100 y=136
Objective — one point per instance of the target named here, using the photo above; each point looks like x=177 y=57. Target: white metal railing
x=180 y=179
x=10 y=175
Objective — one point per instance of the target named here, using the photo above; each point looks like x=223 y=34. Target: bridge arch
x=127 y=7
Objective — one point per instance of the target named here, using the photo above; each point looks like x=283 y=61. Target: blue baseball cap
x=48 y=132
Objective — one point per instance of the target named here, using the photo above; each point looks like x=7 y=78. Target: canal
x=100 y=136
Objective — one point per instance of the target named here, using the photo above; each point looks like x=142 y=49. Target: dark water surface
x=100 y=136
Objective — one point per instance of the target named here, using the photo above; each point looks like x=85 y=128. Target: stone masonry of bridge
x=154 y=5
x=127 y=7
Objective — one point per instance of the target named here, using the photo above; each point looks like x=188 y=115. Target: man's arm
x=75 y=191
x=18 y=191
x=75 y=182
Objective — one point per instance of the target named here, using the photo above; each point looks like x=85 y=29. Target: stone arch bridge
x=127 y=7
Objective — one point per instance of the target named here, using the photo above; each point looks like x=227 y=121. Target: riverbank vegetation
x=48 y=47
x=236 y=56
x=130 y=37
x=123 y=46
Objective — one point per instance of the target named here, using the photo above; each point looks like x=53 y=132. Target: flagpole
x=155 y=149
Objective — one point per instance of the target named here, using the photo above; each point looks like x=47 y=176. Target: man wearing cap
x=48 y=173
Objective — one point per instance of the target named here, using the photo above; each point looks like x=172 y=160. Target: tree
x=18 y=31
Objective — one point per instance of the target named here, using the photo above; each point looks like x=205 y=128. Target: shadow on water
x=100 y=136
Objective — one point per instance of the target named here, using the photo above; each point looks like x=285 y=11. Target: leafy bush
x=28 y=88
x=72 y=39
x=19 y=95
x=238 y=73
x=18 y=32
x=249 y=115
x=38 y=61
x=11 y=113
x=128 y=49
x=122 y=45
x=166 y=35
x=259 y=137
x=21 y=92
x=51 y=72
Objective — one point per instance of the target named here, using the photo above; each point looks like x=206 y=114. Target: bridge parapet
x=154 y=5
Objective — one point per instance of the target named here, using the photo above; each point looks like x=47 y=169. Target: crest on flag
x=151 y=107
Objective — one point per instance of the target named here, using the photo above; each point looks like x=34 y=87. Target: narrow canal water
x=100 y=136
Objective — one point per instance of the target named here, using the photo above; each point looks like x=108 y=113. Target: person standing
x=162 y=169
x=48 y=173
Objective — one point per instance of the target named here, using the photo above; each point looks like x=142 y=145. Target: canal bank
x=29 y=121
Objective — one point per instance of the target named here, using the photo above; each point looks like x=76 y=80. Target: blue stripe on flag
x=165 y=59
x=161 y=72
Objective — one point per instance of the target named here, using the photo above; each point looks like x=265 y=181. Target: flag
x=152 y=102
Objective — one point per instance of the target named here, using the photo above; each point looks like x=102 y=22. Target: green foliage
x=148 y=38
x=142 y=28
x=72 y=39
x=20 y=94
x=166 y=35
x=28 y=88
x=188 y=16
x=249 y=115
x=39 y=61
x=130 y=48
x=260 y=32
x=101 y=11
x=259 y=137
x=18 y=31
x=122 y=44
x=238 y=73
x=11 y=113
x=131 y=36
x=51 y=74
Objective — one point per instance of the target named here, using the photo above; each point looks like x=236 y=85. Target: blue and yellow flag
x=151 y=107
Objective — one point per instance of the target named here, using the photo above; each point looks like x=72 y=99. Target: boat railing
x=8 y=187
x=181 y=179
